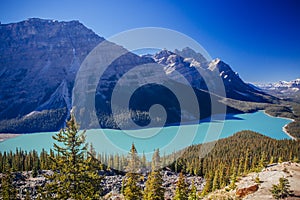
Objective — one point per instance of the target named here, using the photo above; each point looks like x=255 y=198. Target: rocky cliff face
x=38 y=63
x=198 y=71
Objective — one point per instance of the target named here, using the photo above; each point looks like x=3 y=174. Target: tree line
x=238 y=155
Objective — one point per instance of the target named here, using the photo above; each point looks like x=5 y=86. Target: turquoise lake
x=167 y=139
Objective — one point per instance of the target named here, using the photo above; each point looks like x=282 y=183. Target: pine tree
x=133 y=160
x=282 y=189
x=75 y=175
x=216 y=184
x=144 y=161
x=132 y=191
x=156 y=162
x=164 y=162
x=262 y=161
x=257 y=179
x=295 y=159
x=193 y=193
x=241 y=163
x=117 y=162
x=222 y=178
x=208 y=183
x=8 y=191
x=233 y=180
x=34 y=172
x=246 y=163
x=182 y=191
x=271 y=160
x=154 y=189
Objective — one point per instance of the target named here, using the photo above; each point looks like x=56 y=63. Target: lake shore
x=5 y=136
x=284 y=128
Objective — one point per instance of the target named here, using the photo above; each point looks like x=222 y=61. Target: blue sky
x=260 y=39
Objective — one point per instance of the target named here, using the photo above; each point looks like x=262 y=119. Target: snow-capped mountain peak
x=282 y=86
x=213 y=64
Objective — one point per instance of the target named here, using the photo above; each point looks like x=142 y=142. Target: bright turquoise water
x=167 y=139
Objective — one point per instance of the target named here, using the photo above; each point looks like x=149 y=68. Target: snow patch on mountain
x=292 y=86
x=213 y=64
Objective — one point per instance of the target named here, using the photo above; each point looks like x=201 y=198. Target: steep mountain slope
x=38 y=63
x=189 y=63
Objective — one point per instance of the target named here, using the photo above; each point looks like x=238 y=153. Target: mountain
x=38 y=64
x=190 y=53
x=39 y=61
x=189 y=63
x=287 y=87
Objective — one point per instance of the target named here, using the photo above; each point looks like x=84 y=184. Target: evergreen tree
x=232 y=184
x=164 y=162
x=182 y=191
x=262 y=161
x=154 y=189
x=208 y=184
x=216 y=184
x=156 y=160
x=295 y=159
x=222 y=178
x=257 y=179
x=8 y=192
x=240 y=168
x=233 y=178
x=193 y=193
x=271 y=160
x=282 y=189
x=34 y=172
x=117 y=162
x=75 y=175
x=133 y=160
x=144 y=161
x=246 y=163
x=132 y=191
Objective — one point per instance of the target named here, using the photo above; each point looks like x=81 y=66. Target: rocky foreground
x=111 y=184
x=249 y=189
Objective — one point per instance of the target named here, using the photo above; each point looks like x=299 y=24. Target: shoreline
x=284 y=127
x=5 y=136
x=285 y=130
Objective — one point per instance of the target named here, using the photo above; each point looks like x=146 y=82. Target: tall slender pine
x=75 y=174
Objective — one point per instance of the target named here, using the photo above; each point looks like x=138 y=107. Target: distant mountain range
x=284 y=87
x=39 y=60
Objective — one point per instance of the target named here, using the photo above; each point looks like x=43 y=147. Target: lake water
x=167 y=139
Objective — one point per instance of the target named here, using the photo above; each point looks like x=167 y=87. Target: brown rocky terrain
x=247 y=187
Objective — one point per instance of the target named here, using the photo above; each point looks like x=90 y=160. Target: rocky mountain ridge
x=39 y=60
x=292 y=86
